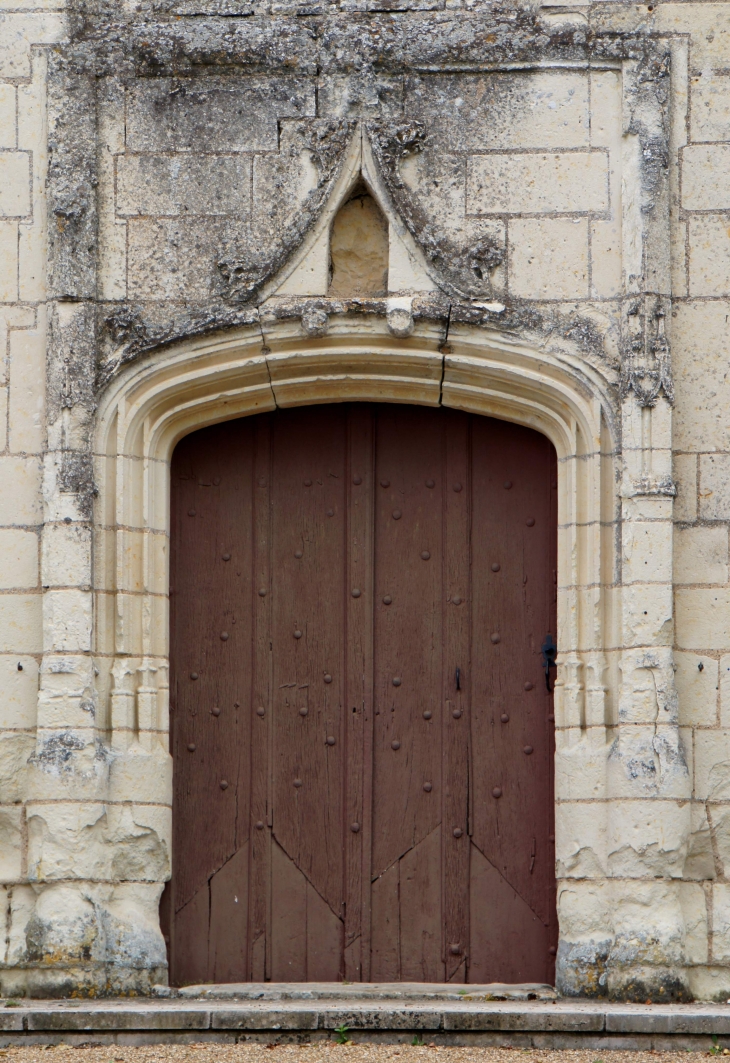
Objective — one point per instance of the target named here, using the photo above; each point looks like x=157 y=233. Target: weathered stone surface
x=574 y=182
x=161 y=169
x=172 y=185
x=214 y=115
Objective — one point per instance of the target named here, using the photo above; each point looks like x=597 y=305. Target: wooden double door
x=362 y=729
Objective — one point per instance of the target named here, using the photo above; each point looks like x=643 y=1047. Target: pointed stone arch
x=306 y=273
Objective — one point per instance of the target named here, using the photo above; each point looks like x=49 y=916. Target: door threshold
x=410 y=991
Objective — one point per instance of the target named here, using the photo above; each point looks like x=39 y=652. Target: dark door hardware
x=549 y=655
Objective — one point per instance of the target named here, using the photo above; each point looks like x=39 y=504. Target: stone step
x=517 y=1023
x=411 y=991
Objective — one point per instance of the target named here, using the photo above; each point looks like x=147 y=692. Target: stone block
x=584 y=909
x=725 y=690
x=220 y=115
x=714 y=486
x=707 y=25
x=18 y=691
x=701 y=345
x=20 y=30
x=175 y=258
x=709 y=983
x=95 y=841
x=22 y=902
x=645 y=548
x=703 y=618
x=141 y=776
x=245 y=1018
x=709 y=255
x=192 y=184
x=548 y=258
x=15 y=748
x=710 y=106
x=580 y=770
x=697 y=680
x=694 y=908
x=67 y=621
x=719 y=817
x=14 y=181
x=580 y=841
x=647 y=690
x=539 y=109
x=20 y=482
x=647 y=614
x=66 y=555
x=645 y=839
x=32 y=135
x=7 y=118
x=605 y=259
x=701 y=555
x=26 y=415
x=8 y=262
x=704 y=177
x=648 y=923
x=20 y=623
x=571 y=182
x=10 y=843
x=700 y=862
x=66 y=698
x=18 y=559
x=649 y=760
x=721 y=923
x=712 y=765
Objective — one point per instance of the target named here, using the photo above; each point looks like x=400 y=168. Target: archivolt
x=153 y=404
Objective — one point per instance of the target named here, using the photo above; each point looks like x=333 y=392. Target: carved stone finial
x=646 y=359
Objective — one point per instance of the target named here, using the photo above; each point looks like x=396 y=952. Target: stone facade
x=549 y=186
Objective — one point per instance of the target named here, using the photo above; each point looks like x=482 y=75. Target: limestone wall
x=554 y=179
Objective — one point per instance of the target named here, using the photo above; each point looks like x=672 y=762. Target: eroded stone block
x=540 y=109
x=697 y=680
x=548 y=258
x=163 y=185
x=574 y=182
x=218 y=115
x=701 y=555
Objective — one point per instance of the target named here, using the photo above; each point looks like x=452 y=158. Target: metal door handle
x=549 y=655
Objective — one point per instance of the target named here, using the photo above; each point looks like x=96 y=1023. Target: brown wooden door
x=362 y=733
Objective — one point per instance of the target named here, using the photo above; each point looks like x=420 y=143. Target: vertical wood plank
x=288 y=919
x=385 y=962
x=456 y=720
x=259 y=899
x=359 y=694
x=513 y=608
x=324 y=939
x=210 y=635
x=511 y=947
x=309 y=532
x=420 y=902
x=227 y=955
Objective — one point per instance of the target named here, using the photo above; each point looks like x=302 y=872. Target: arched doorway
x=361 y=724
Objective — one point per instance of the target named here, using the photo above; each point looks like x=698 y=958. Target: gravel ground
x=323 y=1052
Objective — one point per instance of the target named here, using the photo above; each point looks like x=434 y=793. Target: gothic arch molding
x=153 y=404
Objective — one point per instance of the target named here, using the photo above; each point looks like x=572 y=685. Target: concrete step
x=292 y=1017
